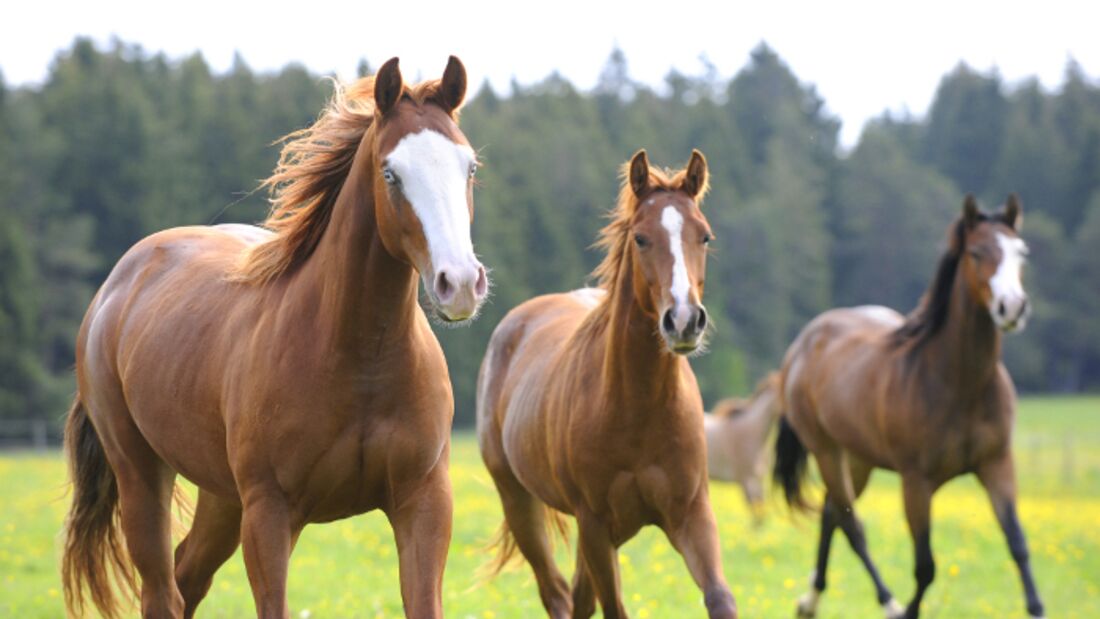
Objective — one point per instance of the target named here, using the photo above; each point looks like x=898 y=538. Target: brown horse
x=583 y=408
x=926 y=396
x=737 y=435
x=289 y=373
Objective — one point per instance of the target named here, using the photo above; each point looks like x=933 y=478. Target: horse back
x=835 y=380
x=515 y=380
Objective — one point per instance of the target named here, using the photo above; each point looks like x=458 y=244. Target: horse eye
x=641 y=241
x=388 y=175
x=473 y=169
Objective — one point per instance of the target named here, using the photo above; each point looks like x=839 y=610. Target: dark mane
x=930 y=315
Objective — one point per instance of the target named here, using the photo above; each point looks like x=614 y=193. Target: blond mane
x=731 y=407
x=615 y=236
x=312 y=167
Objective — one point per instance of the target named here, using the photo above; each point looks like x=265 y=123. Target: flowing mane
x=930 y=315
x=615 y=236
x=312 y=167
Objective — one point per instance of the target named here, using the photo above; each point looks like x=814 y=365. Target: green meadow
x=349 y=568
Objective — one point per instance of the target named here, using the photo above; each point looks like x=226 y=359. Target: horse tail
x=95 y=558
x=790 y=465
x=504 y=542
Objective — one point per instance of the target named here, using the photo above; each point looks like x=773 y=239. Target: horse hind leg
x=145 y=484
x=214 y=536
x=807 y=604
x=843 y=485
x=525 y=519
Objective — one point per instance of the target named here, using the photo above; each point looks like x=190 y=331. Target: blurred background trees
x=118 y=143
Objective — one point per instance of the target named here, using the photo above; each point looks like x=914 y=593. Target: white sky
x=864 y=57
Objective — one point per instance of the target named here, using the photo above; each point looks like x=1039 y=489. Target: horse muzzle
x=1010 y=312
x=683 y=326
x=458 y=291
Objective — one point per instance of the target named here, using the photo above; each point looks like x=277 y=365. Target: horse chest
x=960 y=447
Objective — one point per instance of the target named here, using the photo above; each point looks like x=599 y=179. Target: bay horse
x=925 y=395
x=737 y=432
x=288 y=371
x=586 y=404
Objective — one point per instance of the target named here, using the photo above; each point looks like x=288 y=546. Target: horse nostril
x=443 y=286
x=667 y=324
x=1023 y=306
x=1001 y=308
x=482 y=285
x=701 y=321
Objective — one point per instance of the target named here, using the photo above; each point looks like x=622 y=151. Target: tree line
x=118 y=142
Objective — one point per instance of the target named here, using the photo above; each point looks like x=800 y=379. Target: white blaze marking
x=1006 y=283
x=673 y=221
x=434 y=172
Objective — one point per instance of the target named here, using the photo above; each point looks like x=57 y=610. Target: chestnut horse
x=737 y=439
x=587 y=405
x=926 y=396
x=288 y=372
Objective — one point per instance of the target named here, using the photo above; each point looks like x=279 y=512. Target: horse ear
x=971 y=214
x=388 y=86
x=1013 y=214
x=639 y=173
x=695 y=178
x=452 y=88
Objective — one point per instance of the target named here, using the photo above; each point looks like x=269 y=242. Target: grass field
x=349 y=569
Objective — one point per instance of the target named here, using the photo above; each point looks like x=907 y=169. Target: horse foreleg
x=601 y=561
x=421 y=520
x=696 y=538
x=214 y=535
x=918 y=503
x=268 y=534
x=999 y=479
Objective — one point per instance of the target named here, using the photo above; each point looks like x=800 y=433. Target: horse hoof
x=893 y=609
x=807 y=605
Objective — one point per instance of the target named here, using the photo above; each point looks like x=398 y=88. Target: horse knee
x=925 y=572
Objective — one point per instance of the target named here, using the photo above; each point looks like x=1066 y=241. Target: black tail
x=790 y=465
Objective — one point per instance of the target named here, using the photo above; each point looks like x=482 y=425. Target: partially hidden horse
x=587 y=405
x=288 y=371
x=925 y=395
x=737 y=440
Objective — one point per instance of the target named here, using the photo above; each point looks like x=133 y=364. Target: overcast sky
x=864 y=57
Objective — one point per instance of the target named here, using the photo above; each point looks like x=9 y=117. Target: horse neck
x=357 y=291
x=967 y=348
x=639 y=374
